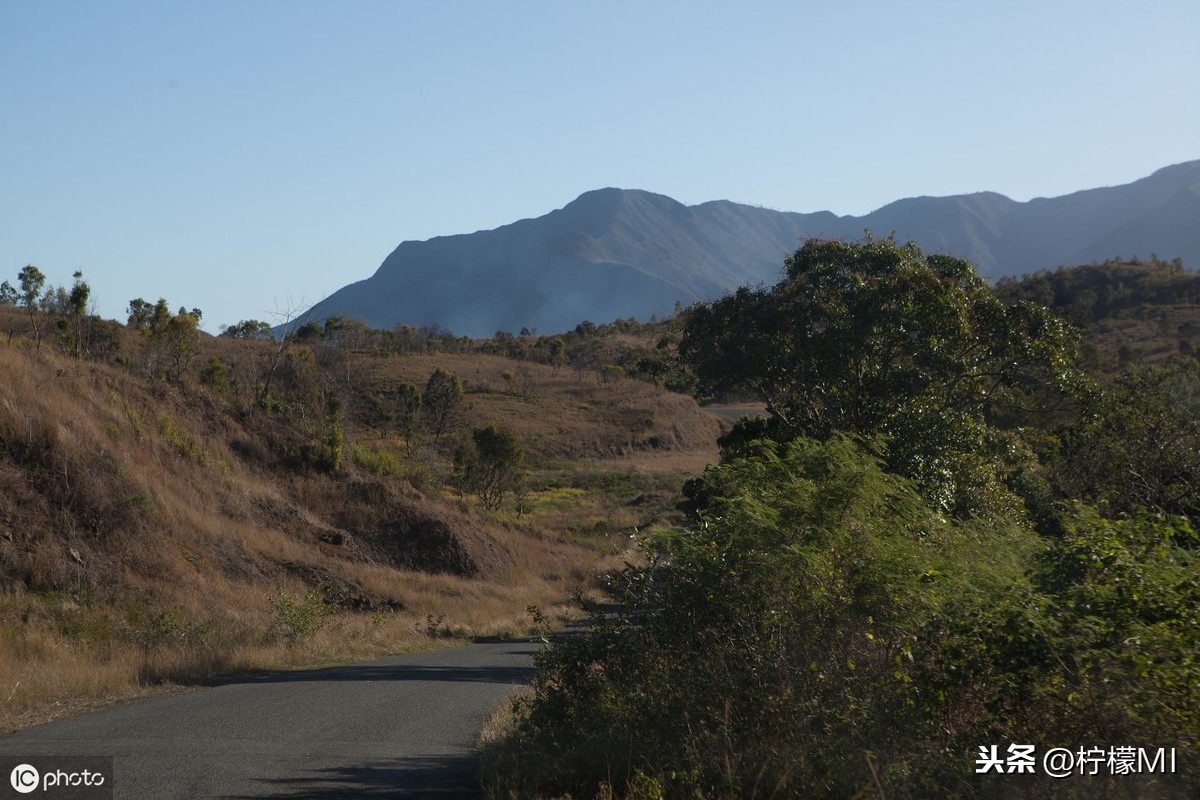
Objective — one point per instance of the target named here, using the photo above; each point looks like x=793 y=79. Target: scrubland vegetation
x=966 y=520
x=946 y=535
x=175 y=506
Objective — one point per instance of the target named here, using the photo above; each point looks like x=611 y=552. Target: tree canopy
x=490 y=465
x=880 y=340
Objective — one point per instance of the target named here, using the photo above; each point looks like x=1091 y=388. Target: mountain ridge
x=615 y=253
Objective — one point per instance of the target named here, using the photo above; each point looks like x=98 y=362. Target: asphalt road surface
x=400 y=727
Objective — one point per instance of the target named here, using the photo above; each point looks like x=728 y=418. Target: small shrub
x=419 y=477
x=378 y=462
x=187 y=446
x=215 y=375
x=298 y=618
x=140 y=503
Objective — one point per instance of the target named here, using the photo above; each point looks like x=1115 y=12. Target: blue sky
x=245 y=157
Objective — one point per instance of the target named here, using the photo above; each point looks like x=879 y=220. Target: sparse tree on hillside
x=398 y=411
x=501 y=459
x=335 y=436
x=489 y=464
x=288 y=322
x=557 y=350
x=141 y=313
x=610 y=373
x=171 y=339
x=251 y=329
x=442 y=400
x=75 y=327
x=408 y=406
x=9 y=299
x=182 y=341
x=79 y=296
x=465 y=465
x=32 y=280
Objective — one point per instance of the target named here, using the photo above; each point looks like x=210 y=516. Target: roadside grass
x=504 y=773
x=498 y=745
x=58 y=657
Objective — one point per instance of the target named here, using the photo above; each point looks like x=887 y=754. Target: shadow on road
x=377 y=671
x=436 y=777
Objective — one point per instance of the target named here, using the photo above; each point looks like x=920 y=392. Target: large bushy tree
x=880 y=340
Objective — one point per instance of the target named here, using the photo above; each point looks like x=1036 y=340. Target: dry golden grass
x=497 y=740
x=151 y=537
x=563 y=414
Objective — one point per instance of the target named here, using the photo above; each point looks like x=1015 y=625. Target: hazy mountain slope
x=968 y=226
x=616 y=253
x=610 y=253
x=1170 y=231
x=1099 y=223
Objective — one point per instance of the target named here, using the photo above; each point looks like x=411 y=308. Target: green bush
x=379 y=462
x=823 y=631
x=298 y=618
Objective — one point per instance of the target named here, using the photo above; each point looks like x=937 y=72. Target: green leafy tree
x=442 y=400
x=464 y=467
x=80 y=293
x=142 y=314
x=171 y=340
x=1137 y=446
x=32 y=281
x=879 y=340
x=408 y=407
x=75 y=326
x=500 y=460
x=8 y=295
x=1125 y=597
x=251 y=329
x=489 y=464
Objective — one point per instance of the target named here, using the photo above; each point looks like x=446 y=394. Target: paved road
x=399 y=727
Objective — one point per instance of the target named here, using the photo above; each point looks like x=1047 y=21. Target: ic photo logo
x=74 y=777
x=24 y=778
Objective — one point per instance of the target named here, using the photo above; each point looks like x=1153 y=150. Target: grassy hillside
x=163 y=519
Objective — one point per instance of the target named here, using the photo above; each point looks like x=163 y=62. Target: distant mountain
x=625 y=253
